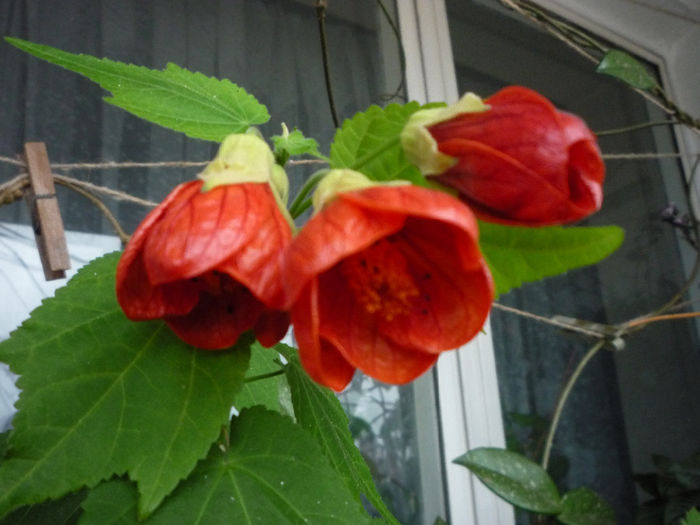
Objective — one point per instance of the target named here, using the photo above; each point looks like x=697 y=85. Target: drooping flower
x=208 y=259
x=383 y=278
x=515 y=159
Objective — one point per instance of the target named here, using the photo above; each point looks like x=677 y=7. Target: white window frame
x=469 y=405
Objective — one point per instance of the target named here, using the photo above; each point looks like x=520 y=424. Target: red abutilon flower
x=515 y=159
x=208 y=259
x=383 y=278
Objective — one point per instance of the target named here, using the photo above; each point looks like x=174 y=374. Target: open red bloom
x=209 y=264
x=522 y=161
x=383 y=279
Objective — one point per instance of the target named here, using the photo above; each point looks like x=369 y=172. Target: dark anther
x=424 y=311
x=375 y=269
x=363 y=263
x=229 y=309
x=427 y=275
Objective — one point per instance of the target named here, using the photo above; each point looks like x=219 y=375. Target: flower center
x=380 y=280
x=216 y=283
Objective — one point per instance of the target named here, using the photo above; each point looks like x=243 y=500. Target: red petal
x=321 y=360
x=339 y=230
x=271 y=327
x=521 y=124
x=218 y=320
x=498 y=187
x=236 y=229
x=353 y=333
x=456 y=289
x=138 y=297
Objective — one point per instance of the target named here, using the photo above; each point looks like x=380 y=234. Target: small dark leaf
x=582 y=506
x=514 y=478
x=625 y=67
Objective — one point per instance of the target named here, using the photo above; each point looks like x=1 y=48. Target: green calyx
x=420 y=146
x=246 y=157
x=343 y=180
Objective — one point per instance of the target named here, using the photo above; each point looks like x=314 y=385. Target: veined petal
x=217 y=321
x=455 y=294
x=352 y=332
x=321 y=360
x=328 y=237
x=138 y=296
x=502 y=189
x=237 y=229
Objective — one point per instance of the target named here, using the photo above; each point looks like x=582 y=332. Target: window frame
x=467 y=387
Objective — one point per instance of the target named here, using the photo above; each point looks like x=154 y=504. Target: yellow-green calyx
x=420 y=146
x=245 y=157
x=342 y=180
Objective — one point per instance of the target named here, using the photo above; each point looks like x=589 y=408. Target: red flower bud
x=383 y=279
x=522 y=161
x=209 y=264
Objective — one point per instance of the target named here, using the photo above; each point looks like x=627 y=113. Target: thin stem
x=299 y=200
x=253 y=379
x=667 y=317
x=636 y=127
x=558 y=409
x=301 y=208
x=402 y=54
x=321 y=6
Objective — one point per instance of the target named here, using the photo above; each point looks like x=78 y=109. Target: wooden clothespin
x=46 y=216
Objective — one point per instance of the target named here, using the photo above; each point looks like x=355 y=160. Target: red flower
x=522 y=161
x=209 y=264
x=383 y=279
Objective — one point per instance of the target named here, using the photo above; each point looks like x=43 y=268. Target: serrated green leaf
x=514 y=478
x=263 y=392
x=102 y=395
x=318 y=410
x=294 y=144
x=692 y=517
x=582 y=506
x=369 y=142
x=517 y=255
x=625 y=67
x=274 y=472
x=201 y=107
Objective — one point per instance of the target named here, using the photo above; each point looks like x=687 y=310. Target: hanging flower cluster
x=384 y=276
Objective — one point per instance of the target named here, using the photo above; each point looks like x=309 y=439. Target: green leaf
x=201 y=107
x=318 y=410
x=64 y=511
x=582 y=506
x=264 y=391
x=625 y=67
x=295 y=144
x=514 y=478
x=692 y=517
x=369 y=142
x=517 y=254
x=102 y=395
x=274 y=472
x=112 y=503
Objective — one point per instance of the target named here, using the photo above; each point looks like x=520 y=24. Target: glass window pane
x=627 y=405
